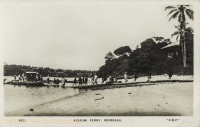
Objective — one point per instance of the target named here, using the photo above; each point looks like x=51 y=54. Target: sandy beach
x=163 y=99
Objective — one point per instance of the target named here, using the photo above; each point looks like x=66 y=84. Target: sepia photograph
x=108 y=59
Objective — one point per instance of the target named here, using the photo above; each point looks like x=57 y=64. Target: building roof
x=176 y=43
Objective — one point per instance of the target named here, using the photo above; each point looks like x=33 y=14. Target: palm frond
x=177 y=27
x=184 y=5
x=169 y=7
x=175 y=33
x=177 y=37
x=190 y=13
x=174 y=15
x=172 y=11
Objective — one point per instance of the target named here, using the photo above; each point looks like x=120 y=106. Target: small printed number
x=21 y=120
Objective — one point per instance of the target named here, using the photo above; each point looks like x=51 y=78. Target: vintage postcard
x=100 y=63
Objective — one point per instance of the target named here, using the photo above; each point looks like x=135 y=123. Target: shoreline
x=164 y=99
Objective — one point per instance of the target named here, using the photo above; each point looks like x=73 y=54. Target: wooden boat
x=13 y=82
x=30 y=81
x=52 y=84
x=62 y=80
x=97 y=86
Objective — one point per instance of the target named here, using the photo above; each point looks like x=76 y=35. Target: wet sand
x=163 y=99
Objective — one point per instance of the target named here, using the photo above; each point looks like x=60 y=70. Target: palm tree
x=181 y=11
x=178 y=33
x=188 y=30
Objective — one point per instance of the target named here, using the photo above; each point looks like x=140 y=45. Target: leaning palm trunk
x=182 y=40
x=183 y=46
x=184 y=52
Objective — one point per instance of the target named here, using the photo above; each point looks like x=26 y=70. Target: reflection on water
x=19 y=97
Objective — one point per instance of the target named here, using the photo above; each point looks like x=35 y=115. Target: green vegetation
x=181 y=11
x=11 y=70
x=148 y=60
x=153 y=57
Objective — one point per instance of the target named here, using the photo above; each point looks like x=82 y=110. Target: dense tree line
x=149 y=59
x=11 y=70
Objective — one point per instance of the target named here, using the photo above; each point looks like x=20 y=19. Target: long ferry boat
x=30 y=78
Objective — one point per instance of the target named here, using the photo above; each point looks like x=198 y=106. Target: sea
x=18 y=97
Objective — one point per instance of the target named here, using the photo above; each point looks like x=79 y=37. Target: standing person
x=108 y=79
x=126 y=77
x=83 y=80
x=80 y=81
x=149 y=77
x=74 y=84
x=14 y=77
x=95 y=79
x=104 y=78
x=58 y=81
x=92 y=80
x=17 y=78
x=41 y=79
x=170 y=73
x=54 y=80
x=48 y=79
x=20 y=78
x=63 y=81
x=37 y=77
x=23 y=77
x=111 y=79
x=135 y=77
x=86 y=80
x=115 y=79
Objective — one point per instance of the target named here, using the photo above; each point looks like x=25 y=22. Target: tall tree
x=181 y=11
x=109 y=56
x=122 y=50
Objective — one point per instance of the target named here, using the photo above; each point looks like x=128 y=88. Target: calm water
x=20 y=97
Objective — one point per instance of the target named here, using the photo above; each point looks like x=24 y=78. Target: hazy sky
x=77 y=35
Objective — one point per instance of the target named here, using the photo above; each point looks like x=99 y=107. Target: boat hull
x=26 y=83
x=125 y=84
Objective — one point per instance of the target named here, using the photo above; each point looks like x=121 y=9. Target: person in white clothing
x=95 y=79
x=126 y=77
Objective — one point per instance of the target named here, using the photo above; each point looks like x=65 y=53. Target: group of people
x=80 y=81
x=113 y=79
x=109 y=79
x=170 y=73
x=24 y=78
x=57 y=81
x=20 y=78
x=93 y=80
x=85 y=80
